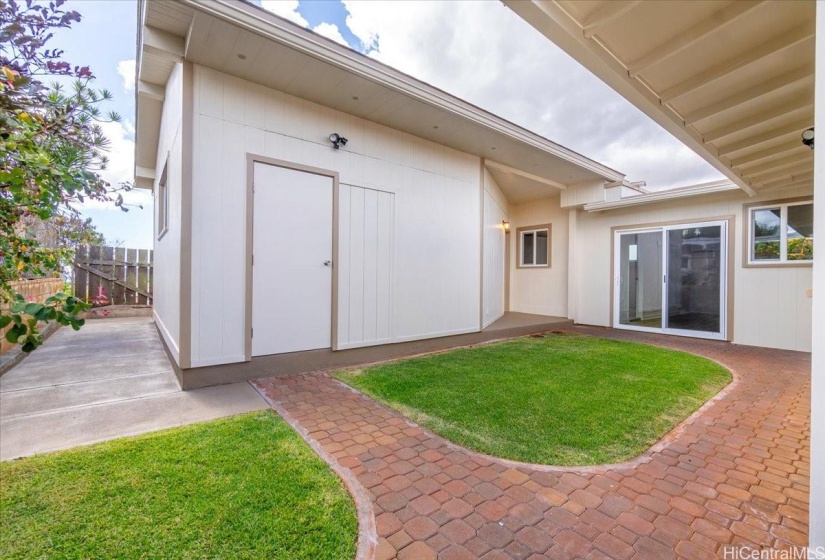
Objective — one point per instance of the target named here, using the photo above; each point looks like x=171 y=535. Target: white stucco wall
x=436 y=192
x=772 y=306
x=540 y=290
x=166 y=277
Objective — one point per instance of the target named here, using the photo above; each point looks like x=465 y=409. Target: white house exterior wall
x=431 y=192
x=540 y=290
x=817 y=507
x=771 y=306
x=166 y=288
x=495 y=212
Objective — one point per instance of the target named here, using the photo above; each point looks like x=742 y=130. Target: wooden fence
x=37 y=290
x=113 y=275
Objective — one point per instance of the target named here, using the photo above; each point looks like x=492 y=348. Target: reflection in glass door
x=640 y=299
x=694 y=279
x=672 y=279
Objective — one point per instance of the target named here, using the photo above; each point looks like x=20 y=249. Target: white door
x=291 y=261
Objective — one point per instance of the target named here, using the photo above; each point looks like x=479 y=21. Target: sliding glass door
x=672 y=279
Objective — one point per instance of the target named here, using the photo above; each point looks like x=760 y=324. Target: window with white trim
x=781 y=233
x=534 y=246
x=163 y=203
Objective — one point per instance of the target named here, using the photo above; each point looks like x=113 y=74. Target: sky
x=477 y=50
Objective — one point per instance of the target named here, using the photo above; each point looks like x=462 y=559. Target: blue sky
x=104 y=37
x=492 y=59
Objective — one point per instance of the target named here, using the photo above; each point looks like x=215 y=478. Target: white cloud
x=486 y=54
x=126 y=69
x=330 y=31
x=286 y=9
x=121 y=155
x=121 y=152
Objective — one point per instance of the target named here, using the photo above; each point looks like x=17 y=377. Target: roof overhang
x=701 y=189
x=734 y=81
x=248 y=42
x=520 y=186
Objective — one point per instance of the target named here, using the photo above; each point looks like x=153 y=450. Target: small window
x=534 y=246
x=782 y=233
x=163 y=203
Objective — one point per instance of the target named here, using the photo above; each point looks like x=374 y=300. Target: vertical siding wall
x=495 y=211
x=540 y=290
x=365 y=270
x=771 y=306
x=424 y=284
x=166 y=286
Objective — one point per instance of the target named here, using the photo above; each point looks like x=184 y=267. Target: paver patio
x=736 y=474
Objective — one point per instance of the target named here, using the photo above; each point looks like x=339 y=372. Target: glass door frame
x=723 y=279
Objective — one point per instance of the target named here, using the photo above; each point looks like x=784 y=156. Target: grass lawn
x=560 y=399
x=241 y=487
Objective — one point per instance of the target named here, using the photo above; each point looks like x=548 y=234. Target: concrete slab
x=108 y=380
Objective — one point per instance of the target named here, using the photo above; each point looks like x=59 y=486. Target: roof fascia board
x=150 y=91
x=163 y=44
x=659 y=196
x=255 y=20
x=555 y=24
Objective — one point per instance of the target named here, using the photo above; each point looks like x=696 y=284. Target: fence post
x=124 y=274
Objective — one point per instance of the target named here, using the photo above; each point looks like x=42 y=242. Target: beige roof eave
x=733 y=81
x=239 y=25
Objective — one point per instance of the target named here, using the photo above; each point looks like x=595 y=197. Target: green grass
x=558 y=400
x=242 y=487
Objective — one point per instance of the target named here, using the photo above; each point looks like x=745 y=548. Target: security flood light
x=337 y=140
x=808 y=138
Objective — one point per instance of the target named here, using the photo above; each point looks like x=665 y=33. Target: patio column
x=817 y=512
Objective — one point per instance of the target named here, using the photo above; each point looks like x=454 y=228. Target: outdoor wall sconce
x=337 y=140
x=808 y=138
x=506 y=225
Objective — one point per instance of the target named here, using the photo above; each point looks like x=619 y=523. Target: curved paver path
x=735 y=474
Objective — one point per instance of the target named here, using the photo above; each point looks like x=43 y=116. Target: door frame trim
x=730 y=254
x=251 y=160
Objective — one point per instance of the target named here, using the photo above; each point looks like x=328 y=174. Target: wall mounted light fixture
x=506 y=225
x=808 y=138
x=337 y=140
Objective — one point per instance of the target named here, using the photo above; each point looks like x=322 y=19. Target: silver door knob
x=327 y=263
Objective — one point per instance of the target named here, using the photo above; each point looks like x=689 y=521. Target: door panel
x=640 y=265
x=694 y=281
x=292 y=261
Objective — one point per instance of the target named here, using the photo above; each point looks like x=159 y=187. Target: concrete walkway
x=736 y=474
x=108 y=380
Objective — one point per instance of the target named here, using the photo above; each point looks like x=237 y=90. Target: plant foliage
x=52 y=150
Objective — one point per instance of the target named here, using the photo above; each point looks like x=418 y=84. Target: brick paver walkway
x=737 y=474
